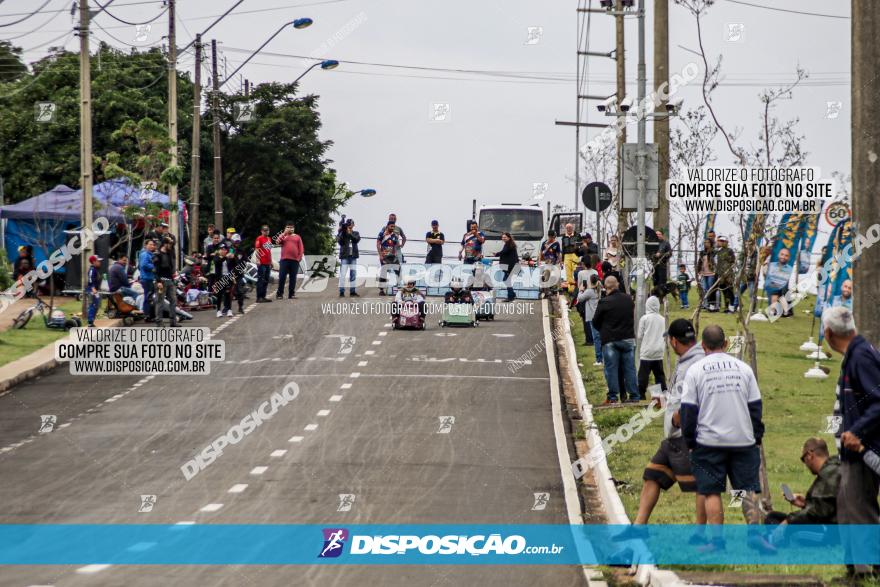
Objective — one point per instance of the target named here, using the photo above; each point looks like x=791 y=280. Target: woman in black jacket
x=348 y=239
x=508 y=258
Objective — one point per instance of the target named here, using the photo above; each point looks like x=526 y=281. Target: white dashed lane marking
x=278 y=453
x=211 y=507
x=345 y=386
x=369 y=352
x=335 y=398
x=323 y=413
x=311 y=427
x=259 y=470
x=237 y=488
x=296 y=439
x=89 y=569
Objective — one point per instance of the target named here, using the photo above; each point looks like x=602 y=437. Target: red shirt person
x=263 y=252
x=291 y=255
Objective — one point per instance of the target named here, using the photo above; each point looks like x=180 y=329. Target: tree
x=274 y=168
x=11 y=65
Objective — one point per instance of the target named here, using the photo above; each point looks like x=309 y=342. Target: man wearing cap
x=671 y=462
x=435 y=240
x=588 y=247
x=725 y=272
x=94 y=287
x=147 y=271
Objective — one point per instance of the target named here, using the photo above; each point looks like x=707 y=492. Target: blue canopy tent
x=41 y=221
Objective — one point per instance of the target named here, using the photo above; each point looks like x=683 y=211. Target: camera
x=608 y=104
x=674 y=106
x=626 y=104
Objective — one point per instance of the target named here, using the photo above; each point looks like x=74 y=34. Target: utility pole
x=172 y=120
x=661 y=123
x=865 y=145
x=642 y=165
x=85 y=152
x=247 y=88
x=620 y=56
x=218 y=168
x=577 y=132
x=196 y=167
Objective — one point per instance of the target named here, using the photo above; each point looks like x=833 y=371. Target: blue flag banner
x=809 y=230
x=710 y=224
x=459 y=544
x=823 y=289
x=783 y=256
x=841 y=270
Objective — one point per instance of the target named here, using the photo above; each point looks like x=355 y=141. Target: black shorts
x=671 y=464
x=712 y=467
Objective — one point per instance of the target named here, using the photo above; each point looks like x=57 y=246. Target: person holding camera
x=291 y=255
x=348 y=239
x=388 y=247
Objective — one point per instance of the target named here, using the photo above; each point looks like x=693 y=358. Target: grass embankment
x=15 y=344
x=795 y=408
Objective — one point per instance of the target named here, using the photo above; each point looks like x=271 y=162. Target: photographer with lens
x=347 y=238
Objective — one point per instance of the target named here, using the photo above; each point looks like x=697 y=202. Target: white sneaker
x=229 y=314
x=597 y=364
x=219 y=313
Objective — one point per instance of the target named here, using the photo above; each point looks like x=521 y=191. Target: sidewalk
x=37 y=362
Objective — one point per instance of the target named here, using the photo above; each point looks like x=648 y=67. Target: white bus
x=526 y=224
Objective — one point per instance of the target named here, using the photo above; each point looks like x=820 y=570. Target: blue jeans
x=287 y=267
x=617 y=353
x=348 y=265
x=94 y=304
x=263 y=274
x=597 y=343
x=706 y=283
x=683 y=296
x=127 y=292
x=149 y=287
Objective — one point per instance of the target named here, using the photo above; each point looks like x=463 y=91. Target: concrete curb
x=615 y=513
x=36 y=363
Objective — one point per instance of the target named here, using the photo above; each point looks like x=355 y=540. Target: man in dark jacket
x=725 y=272
x=819 y=505
x=118 y=277
x=614 y=319
x=661 y=259
x=166 y=299
x=348 y=239
x=858 y=411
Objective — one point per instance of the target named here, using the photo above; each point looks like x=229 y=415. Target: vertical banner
x=783 y=257
x=822 y=289
x=841 y=270
x=808 y=231
x=710 y=224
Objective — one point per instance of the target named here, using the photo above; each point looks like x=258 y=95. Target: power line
x=67 y=9
x=24 y=18
x=39 y=28
x=114 y=17
x=790 y=11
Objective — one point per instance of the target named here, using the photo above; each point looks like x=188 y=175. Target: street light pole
x=85 y=154
x=642 y=167
x=215 y=118
x=172 y=122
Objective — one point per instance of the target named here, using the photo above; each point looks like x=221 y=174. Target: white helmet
x=57 y=315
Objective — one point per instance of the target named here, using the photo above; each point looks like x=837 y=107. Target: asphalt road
x=368 y=422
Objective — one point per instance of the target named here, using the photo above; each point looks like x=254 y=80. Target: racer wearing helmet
x=458 y=294
x=408 y=293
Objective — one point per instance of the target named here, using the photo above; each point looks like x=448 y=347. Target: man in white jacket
x=652 y=330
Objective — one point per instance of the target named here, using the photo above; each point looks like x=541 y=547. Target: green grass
x=15 y=344
x=795 y=409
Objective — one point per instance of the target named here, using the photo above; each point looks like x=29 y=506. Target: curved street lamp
x=298 y=24
x=325 y=65
x=366 y=192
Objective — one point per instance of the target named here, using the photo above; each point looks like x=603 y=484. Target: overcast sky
x=499 y=136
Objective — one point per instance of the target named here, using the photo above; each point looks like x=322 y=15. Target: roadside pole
x=173 y=223
x=195 y=167
x=218 y=169
x=642 y=167
x=85 y=153
x=620 y=56
x=661 y=123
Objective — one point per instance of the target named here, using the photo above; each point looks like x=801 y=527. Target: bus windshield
x=521 y=224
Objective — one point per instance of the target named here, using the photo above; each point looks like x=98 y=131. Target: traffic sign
x=589 y=196
x=836 y=212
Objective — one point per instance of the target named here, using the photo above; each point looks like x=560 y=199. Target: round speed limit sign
x=836 y=212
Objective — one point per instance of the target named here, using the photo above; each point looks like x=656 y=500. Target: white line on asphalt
x=362 y=363
x=211 y=507
x=355 y=375
x=278 y=453
x=65 y=425
x=323 y=413
x=386 y=375
x=335 y=398
x=311 y=427
x=259 y=470
x=345 y=386
x=311 y=359
x=237 y=488
x=383 y=334
x=88 y=569
x=369 y=352
x=376 y=342
x=388 y=325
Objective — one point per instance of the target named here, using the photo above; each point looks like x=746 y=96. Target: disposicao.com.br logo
x=431 y=544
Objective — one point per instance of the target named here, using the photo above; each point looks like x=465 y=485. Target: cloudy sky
x=403 y=57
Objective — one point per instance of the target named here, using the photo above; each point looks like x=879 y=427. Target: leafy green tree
x=11 y=65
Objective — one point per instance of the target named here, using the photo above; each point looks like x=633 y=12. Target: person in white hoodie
x=652 y=329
